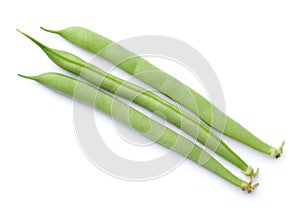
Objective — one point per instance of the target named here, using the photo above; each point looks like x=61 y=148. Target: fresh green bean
x=155 y=77
x=146 y=99
x=134 y=119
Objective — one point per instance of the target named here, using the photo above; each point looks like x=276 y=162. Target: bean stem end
x=249 y=187
x=250 y=172
x=277 y=152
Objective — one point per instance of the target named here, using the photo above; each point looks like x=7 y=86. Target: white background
x=254 y=48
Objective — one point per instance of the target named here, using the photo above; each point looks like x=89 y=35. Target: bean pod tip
x=27 y=77
x=47 y=30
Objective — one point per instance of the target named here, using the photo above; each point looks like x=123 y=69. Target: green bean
x=148 y=100
x=134 y=119
x=155 y=77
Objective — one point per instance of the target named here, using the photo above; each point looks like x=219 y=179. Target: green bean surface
x=127 y=115
x=146 y=99
x=166 y=84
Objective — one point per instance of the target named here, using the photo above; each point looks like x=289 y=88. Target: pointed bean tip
x=48 y=30
x=20 y=31
x=42 y=46
x=27 y=77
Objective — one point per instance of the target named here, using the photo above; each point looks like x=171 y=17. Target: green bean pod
x=148 y=100
x=155 y=77
x=134 y=119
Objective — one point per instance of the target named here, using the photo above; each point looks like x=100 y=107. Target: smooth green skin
x=166 y=84
x=134 y=119
x=146 y=99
